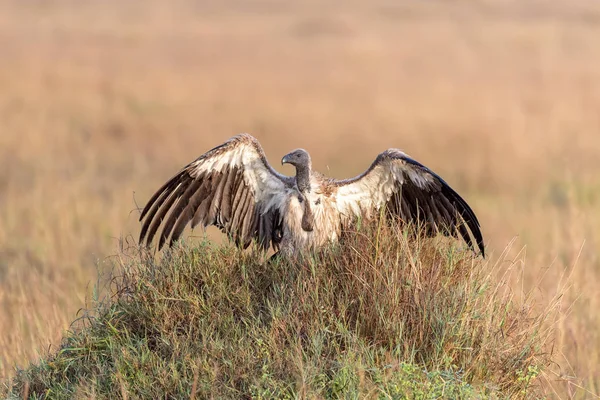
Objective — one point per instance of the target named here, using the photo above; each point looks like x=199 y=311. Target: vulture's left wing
x=231 y=186
x=411 y=191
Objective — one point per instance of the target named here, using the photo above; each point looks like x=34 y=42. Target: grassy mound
x=371 y=317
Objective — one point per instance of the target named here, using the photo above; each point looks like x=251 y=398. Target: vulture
x=234 y=188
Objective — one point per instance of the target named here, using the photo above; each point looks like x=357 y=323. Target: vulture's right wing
x=411 y=191
x=231 y=186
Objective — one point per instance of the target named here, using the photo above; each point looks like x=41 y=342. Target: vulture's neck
x=303 y=183
x=303 y=178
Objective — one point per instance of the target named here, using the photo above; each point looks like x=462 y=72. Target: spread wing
x=411 y=191
x=231 y=186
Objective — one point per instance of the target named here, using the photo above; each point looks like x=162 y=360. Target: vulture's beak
x=285 y=159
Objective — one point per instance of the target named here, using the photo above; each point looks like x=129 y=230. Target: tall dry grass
x=100 y=102
x=383 y=314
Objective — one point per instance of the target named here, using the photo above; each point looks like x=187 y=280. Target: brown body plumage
x=233 y=187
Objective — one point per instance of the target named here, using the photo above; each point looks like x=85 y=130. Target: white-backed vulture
x=233 y=187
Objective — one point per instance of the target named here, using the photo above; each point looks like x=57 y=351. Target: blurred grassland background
x=102 y=101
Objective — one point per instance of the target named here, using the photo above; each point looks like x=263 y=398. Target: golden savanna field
x=102 y=101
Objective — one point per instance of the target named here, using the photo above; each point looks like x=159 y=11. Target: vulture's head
x=299 y=158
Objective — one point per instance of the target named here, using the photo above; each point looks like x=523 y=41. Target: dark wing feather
x=231 y=186
x=413 y=192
